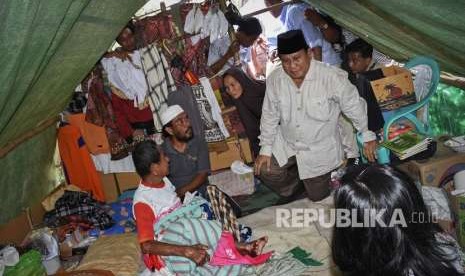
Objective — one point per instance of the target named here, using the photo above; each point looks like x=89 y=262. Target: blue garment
x=283 y=15
x=293 y=18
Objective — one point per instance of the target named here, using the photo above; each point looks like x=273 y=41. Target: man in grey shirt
x=188 y=154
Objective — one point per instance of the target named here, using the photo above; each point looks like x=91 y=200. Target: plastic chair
x=426 y=71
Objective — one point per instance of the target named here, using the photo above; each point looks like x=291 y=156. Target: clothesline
x=167 y=9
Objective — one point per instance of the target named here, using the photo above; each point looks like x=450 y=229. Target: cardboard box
x=395 y=89
x=116 y=183
x=109 y=186
x=431 y=172
x=457 y=208
x=127 y=180
x=233 y=184
x=235 y=150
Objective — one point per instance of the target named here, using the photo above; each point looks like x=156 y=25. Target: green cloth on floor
x=304 y=257
x=263 y=197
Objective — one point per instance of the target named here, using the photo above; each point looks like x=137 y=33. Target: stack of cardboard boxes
x=439 y=171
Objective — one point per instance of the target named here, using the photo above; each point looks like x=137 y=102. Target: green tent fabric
x=403 y=29
x=447 y=111
x=48 y=47
x=27 y=174
x=51 y=45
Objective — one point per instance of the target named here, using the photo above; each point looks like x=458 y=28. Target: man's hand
x=181 y=192
x=198 y=254
x=273 y=55
x=233 y=48
x=369 y=150
x=260 y=161
x=137 y=133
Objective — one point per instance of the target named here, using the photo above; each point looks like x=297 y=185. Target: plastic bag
x=29 y=264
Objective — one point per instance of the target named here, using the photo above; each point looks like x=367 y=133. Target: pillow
x=119 y=254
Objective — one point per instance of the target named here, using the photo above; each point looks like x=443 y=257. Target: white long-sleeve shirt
x=302 y=121
x=127 y=76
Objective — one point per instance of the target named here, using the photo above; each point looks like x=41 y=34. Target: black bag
x=232 y=14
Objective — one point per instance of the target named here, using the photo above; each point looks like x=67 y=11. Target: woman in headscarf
x=247 y=96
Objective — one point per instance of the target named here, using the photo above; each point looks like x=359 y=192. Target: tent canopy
x=403 y=29
x=48 y=46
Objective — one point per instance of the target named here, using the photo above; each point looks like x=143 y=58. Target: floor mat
x=312 y=238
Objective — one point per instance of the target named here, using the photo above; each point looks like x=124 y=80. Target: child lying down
x=174 y=237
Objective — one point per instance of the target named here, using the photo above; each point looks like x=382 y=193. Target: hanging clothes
x=94 y=136
x=157 y=28
x=127 y=75
x=104 y=164
x=214 y=110
x=159 y=80
x=256 y=65
x=129 y=118
x=212 y=132
x=78 y=164
x=100 y=112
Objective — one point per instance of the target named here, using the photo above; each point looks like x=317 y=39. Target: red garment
x=79 y=166
x=100 y=112
x=126 y=113
x=157 y=28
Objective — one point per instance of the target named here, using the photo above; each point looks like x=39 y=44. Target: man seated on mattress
x=188 y=154
x=172 y=236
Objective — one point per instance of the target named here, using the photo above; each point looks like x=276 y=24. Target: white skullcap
x=170 y=113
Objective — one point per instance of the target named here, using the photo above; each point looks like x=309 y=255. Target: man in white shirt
x=293 y=18
x=299 y=138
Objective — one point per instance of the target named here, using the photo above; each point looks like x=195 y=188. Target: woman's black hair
x=144 y=155
x=249 y=26
x=394 y=250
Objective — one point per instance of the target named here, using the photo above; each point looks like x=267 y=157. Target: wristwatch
x=323 y=27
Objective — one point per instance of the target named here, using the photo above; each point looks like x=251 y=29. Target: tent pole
x=271 y=7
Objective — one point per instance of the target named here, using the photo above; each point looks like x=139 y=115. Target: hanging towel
x=216 y=111
x=190 y=19
x=212 y=132
x=160 y=82
x=79 y=167
x=198 y=20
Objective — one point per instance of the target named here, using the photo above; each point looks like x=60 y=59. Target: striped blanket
x=185 y=226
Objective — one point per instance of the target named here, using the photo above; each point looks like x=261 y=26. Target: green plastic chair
x=422 y=64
